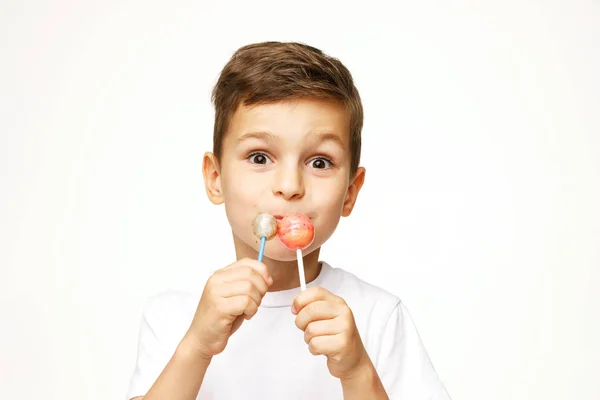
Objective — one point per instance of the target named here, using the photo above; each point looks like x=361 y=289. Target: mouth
x=278 y=218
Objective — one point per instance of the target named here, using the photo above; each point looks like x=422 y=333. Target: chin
x=282 y=257
x=275 y=251
x=280 y=253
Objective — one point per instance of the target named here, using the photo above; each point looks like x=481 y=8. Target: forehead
x=291 y=120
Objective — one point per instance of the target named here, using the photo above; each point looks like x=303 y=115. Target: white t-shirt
x=267 y=357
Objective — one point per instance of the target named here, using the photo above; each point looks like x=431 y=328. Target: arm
x=230 y=296
x=364 y=385
x=329 y=329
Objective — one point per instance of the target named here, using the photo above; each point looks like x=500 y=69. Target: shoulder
x=166 y=318
x=364 y=298
x=170 y=312
x=169 y=299
x=356 y=287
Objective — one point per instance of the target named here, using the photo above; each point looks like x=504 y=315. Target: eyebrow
x=319 y=137
x=266 y=136
x=330 y=137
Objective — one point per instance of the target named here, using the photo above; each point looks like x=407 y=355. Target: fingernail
x=270 y=280
x=294 y=311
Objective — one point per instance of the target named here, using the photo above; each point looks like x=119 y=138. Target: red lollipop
x=296 y=232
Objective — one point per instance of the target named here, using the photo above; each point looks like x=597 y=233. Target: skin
x=281 y=158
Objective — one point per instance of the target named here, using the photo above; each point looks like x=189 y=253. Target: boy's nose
x=289 y=182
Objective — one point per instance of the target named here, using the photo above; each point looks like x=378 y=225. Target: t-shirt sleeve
x=155 y=348
x=403 y=365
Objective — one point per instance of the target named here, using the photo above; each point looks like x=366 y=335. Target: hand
x=330 y=330
x=231 y=295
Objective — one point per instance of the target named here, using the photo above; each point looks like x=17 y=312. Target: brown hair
x=268 y=72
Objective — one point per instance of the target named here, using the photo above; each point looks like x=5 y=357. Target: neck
x=284 y=273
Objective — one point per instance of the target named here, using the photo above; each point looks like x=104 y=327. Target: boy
x=287 y=140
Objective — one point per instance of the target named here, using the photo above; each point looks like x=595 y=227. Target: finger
x=238 y=305
x=244 y=268
x=246 y=274
x=325 y=345
x=258 y=267
x=323 y=328
x=319 y=310
x=313 y=294
x=243 y=272
x=242 y=288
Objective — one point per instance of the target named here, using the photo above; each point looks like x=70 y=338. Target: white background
x=480 y=210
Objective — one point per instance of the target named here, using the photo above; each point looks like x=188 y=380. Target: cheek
x=242 y=193
x=329 y=195
x=239 y=185
x=329 y=206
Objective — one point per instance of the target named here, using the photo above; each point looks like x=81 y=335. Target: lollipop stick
x=301 y=270
x=261 y=252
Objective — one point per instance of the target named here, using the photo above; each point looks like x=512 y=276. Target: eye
x=259 y=158
x=320 y=163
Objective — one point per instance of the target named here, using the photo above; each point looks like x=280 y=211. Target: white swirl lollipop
x=264 y=227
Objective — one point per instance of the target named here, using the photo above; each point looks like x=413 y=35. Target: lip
x=279 y=217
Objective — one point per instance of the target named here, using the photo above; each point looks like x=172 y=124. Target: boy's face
x=282 y=158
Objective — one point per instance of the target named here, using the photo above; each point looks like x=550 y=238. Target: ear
x=353 y=189
x=212 y=178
